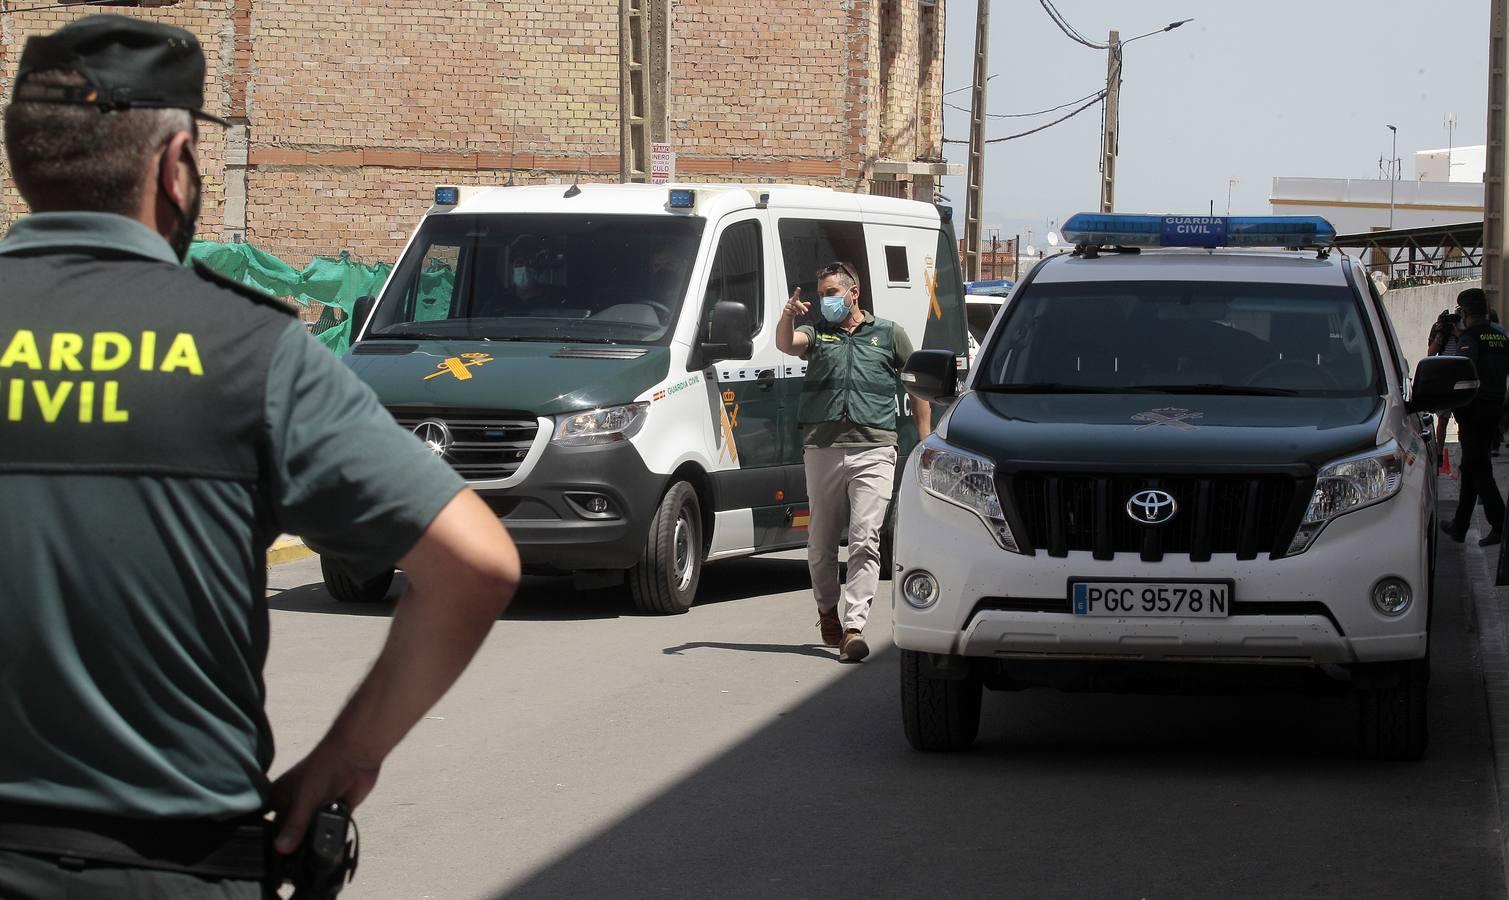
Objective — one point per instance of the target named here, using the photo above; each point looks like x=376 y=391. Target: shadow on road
x=817 y=650
x=557 y=599
x=1069 y=795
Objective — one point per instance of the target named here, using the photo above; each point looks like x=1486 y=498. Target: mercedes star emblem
x=435 y=435
x=1152 y=507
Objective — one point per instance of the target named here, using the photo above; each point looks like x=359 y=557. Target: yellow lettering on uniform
x=148 y=350
x=65 y=352
x=182 y=354
x=17 y=395
x=86 y=401
x=22 y=352
x=109 y=412
x=51 y=404
x=110 y=351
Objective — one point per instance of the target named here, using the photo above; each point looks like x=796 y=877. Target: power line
x=1031 y=114
x=65 y=5
x=1095 y=98
x=1069 y=30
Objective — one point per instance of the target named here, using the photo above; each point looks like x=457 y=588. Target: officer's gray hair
x=75 y=157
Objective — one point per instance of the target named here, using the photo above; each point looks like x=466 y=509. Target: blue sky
x=1247 y=90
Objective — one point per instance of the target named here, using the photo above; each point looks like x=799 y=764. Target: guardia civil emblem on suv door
x=1151 y=507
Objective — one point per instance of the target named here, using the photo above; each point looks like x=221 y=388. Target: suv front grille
x=1240 y=514
x=483 y=444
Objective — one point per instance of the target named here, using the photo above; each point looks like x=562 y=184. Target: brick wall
x=353 y=111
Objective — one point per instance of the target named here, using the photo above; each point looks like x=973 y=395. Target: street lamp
x=1393 y=176
x=1169 y=27
x=1110 y=127
x=1229 y=182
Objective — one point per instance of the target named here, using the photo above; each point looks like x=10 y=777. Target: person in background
x=1488 y=347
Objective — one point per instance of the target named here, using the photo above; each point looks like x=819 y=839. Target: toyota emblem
x=1151 y=507
x=435 y=435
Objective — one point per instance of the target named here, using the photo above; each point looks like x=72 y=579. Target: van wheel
x=1391 y=718
x=937 y=713
x=347 y=589
x=664 y=582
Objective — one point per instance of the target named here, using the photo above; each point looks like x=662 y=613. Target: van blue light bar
x=447 y=196
x=683 y=199
x=1115 y=229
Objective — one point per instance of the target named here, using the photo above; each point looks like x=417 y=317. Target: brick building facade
x=347 y=113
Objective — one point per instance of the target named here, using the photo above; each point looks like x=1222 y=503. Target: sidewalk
x=1487 y=614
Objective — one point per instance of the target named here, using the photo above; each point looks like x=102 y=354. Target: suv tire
x=664 y=581
x=346 y=589
x=1391 y=712
x=937 y=713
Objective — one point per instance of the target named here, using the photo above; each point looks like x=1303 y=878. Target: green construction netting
x=334 y=281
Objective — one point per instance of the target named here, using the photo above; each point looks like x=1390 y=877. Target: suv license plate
x=1151 y=598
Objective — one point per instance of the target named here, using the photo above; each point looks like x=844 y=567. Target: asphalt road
x=591 y=752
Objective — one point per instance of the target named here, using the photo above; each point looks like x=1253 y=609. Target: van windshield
x=1183 y=337
x=573 y=278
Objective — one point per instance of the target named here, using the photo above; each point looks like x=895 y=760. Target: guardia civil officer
x=848 y=418
x=1477 y=423
x=158 y=428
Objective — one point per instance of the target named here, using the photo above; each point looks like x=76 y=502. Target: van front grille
x=481 y=445
x=1238 y=514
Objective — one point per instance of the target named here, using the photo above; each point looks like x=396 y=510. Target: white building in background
x=1452 y=164
x=1356 y=205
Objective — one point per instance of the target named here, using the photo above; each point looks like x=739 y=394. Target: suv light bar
x=1119 y=230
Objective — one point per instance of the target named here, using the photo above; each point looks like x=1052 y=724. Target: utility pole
x=1393 y=174
x=975 y=197
x=1495 y=240
x=1110 y=130
x=634 y=91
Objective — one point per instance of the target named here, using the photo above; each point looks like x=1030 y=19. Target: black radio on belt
x=327 y=858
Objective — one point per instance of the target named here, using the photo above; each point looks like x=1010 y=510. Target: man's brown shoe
x=853 y=648
x=829 y=627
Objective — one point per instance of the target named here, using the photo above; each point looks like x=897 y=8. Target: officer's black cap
x=1473 y=302
x=127 y=64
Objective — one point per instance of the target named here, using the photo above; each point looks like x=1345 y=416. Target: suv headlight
x=1350 y=484
x=600 y=426
x=966 y=480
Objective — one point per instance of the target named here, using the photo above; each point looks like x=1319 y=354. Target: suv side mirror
x=361 y=311
x=1442 y=382
x=931 y=375
x=727 y=333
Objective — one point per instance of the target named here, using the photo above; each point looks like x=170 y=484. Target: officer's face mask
x=835 y=308
x=188 y=219
x=522 y=277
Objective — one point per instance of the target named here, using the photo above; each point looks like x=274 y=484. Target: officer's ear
x=178 y=168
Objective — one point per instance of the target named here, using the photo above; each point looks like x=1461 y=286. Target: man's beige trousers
x=849 y=488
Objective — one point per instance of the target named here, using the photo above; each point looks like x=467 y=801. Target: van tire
x=1391 y=712
x=346 y=589
x=937 y=713
x=664 y=581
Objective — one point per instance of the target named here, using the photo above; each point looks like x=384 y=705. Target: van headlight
x=600 y=426
x=966 y=480
x=1350 y=484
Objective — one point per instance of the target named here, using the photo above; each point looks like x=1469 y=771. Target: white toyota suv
x=1179 y=459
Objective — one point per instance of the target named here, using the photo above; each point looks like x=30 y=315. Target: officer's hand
x=327 y=773
x=795 y=307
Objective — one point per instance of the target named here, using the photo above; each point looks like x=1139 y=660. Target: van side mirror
x=931 y=375
x=1442 y=382
x=361 y=311
x=727 y=333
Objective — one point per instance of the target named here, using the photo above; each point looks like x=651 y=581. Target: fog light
x=920 y=590
x=1391 y=596
x=597 y=504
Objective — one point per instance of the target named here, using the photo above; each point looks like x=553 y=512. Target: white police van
x=1176 y=450
x=599 y=362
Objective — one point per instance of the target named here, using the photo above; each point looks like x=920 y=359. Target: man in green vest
x=848 y=418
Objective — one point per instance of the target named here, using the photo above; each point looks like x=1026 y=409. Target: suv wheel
x=1391 y=717
x=347 y=589
x=937 y=713
x=664 y=582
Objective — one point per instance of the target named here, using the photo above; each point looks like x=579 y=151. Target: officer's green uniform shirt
x=158 y=429
x=1488 y=348
x=841 y=432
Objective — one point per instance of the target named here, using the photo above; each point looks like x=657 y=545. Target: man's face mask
x=835 y=308
x=523 y=277
x=188 y=219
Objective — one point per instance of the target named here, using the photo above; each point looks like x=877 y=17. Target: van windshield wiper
x=1057 y=387
x=1234 y=390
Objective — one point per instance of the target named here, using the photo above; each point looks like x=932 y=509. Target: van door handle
x=766 y=379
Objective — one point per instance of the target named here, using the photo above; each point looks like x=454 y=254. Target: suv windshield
x=591 y=279
x=1183 y=337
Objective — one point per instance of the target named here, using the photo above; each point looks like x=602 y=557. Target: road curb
x=1481 y=565
x=287 y=549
